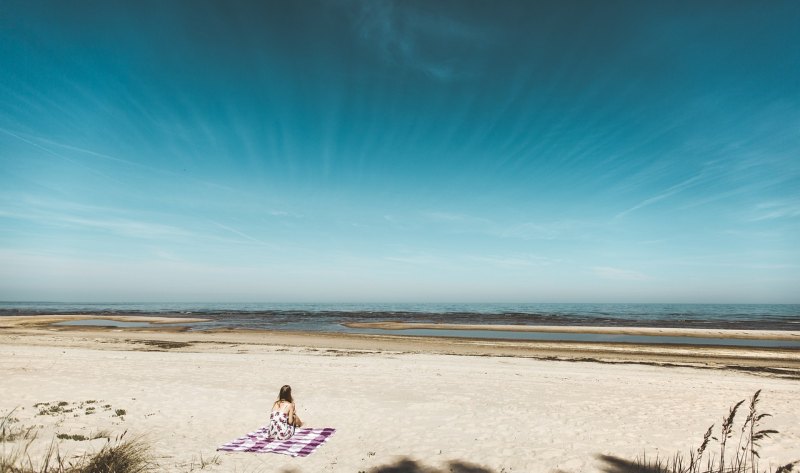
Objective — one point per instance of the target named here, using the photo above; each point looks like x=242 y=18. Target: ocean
x=330 y=317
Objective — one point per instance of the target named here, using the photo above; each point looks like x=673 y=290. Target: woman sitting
x=283 y=418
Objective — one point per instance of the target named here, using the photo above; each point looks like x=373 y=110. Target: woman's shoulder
x=281 y=404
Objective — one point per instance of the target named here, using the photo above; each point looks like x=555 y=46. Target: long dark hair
x=285 y=394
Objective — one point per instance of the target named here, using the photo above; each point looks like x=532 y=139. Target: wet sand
x=17 y=321
x=784 y=361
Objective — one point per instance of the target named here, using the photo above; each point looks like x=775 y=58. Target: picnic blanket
x=301 y=444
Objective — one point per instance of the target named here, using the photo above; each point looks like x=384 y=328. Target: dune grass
x=11 y=431
x=743 y=457
x=118 y=456
x=130 y=456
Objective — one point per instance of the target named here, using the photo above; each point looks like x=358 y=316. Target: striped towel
x=301 y=444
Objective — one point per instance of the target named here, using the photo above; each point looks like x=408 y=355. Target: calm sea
x=329 y=317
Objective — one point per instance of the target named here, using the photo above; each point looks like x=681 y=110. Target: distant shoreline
x=40 y=330
x=613 y=335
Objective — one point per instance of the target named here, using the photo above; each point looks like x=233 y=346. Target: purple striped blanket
x=301 y=444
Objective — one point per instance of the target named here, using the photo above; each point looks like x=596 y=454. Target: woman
x=283 y=418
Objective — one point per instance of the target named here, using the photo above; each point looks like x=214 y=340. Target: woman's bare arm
x=295 y=420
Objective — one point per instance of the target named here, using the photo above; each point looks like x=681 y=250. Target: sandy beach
x=419 y=404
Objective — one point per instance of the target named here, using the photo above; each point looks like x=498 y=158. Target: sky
x=400 y=151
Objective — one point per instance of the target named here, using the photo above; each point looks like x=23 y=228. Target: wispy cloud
x=285 y=214
x=516 y=261
x=415 y=259
x=454 y=217
x=530 y=230
x=58 y=155
x=42 y=144
x=669 y=192
x=770 y=257
x=55 y=217
x=738 y=169
x=513 y=261
x=417 y=38
x=120 y=226
x=772 y=210
x=238 y=232
x=549 y=230
x=619 y=274
x=126 y=227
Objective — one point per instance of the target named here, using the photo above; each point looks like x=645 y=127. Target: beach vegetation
x=119 y=456
x=130 y=456
x=103 y=434
x=76 y=437
x=11 y=430
x=53 y=409
x=161 y=345
x=204 y=462
x=744 y=457
x=90 y=407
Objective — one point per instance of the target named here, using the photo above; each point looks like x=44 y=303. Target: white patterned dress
x=279 y=427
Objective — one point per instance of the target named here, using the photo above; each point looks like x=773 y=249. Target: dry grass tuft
x=131 y=456
x=9 y=432
x=743 y=459
x=119 y=456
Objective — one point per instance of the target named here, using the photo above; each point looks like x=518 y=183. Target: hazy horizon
x=345 y=303
x=356 y=151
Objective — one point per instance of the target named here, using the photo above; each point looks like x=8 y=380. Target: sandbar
x=645 y=331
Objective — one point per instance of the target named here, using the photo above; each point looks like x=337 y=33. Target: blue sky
x=400 y=151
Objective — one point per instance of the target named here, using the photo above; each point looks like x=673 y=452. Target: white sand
x=505 y=414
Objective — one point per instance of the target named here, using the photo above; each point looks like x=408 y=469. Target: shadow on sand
x=411 y=466
x=620 y=465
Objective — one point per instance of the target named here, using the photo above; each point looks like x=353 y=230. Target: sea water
x=330 y=317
